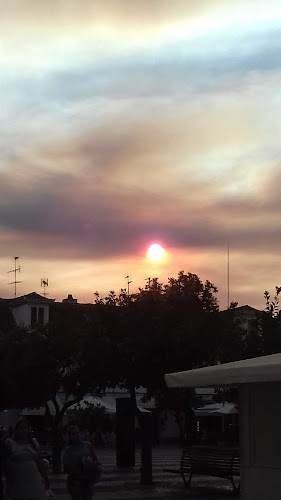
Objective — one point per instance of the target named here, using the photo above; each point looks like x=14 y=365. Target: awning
x=261 y=369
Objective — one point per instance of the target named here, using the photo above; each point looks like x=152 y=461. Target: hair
x=20 y=422
x=72 y=427
x=25 y=422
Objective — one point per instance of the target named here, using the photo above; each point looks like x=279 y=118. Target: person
x=99 y=438
x=204 y=436
x=81 y=464
x=86 y=436
x=26 y=475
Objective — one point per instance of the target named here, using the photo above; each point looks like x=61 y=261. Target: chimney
x=70 y=299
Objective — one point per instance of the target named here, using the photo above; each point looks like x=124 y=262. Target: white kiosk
x=259 y=382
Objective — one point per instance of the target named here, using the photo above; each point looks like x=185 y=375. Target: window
x=33 y=315
x=37 y=316
x=41 y=315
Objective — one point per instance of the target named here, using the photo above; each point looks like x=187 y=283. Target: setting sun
x=155 y=252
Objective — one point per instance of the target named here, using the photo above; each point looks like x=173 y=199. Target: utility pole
x=15 y=270
x=228 y=277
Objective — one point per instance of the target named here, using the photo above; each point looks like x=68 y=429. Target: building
x=28 y=310
x=246 y=317
x=259 y=383
x=32 y=310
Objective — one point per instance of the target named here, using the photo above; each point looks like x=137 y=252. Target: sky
x=127 y=122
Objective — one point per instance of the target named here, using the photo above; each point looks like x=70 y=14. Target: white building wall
x=46 y=314
x=260 y=441
x=22 y=313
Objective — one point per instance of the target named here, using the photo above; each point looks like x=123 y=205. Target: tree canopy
x=161 y=328
x=129 y=340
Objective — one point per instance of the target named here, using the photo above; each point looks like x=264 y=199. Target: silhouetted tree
x=161 y=328
x=38 y=365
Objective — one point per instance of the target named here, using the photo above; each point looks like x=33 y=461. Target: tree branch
x=48 y=415
x=70 y=403
x=55 y=403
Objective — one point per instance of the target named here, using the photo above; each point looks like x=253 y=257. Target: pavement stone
x=124 y=483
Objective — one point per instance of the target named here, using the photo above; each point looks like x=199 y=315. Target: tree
x=24 y=366
x=262 y=337
x=272 y=307
x=91 y=417
x=180 y=403
x=271 y=323
x=69 y=355
x=161 y=328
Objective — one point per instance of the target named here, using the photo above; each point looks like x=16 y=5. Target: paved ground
x=118 y=483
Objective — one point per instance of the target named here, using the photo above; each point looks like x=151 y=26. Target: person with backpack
x=81 y=464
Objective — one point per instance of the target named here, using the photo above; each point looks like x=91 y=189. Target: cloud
x=98 y=211
x=54 y=37
x=90 y=12
x=121 y=13
x=128 y=122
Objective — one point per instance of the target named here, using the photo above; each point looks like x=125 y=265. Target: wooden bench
x=207 y=461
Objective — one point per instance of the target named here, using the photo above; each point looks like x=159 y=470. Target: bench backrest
x=210 y=460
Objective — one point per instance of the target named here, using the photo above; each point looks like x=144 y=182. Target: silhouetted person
x=81 y=465
x=26 y=475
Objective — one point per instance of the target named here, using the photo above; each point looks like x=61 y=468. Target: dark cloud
x=110 y=222
x=113 y=189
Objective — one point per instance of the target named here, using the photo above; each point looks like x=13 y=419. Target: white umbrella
x=143 y=410
x=109 y=408
x=206 y=410
x=226 y=409
x=90 y=400
x=41 y=411
x=216 y=409
x=34 y=412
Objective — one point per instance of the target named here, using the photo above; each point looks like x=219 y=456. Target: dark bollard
x=57 y=452
x=146 y=449
x=125 y=432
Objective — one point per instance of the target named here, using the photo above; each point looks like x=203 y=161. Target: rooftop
x=29 y=297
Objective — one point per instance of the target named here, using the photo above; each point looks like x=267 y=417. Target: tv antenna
x=44 y=283
x=128 y=283
x=15 y=271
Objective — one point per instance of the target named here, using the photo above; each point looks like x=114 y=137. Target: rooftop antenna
x=228 y=304
x=128 y=283
x=15 y=270
x=44 y=283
